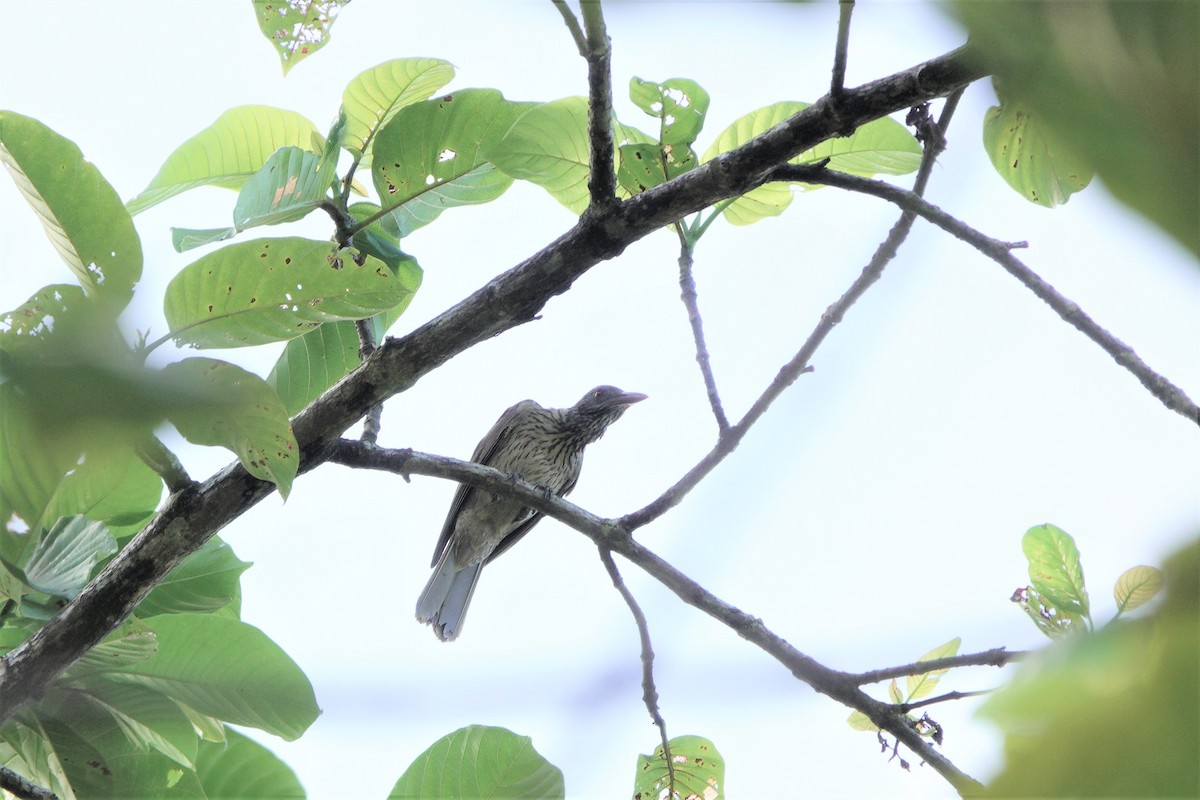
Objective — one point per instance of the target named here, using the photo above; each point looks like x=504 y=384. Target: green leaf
x=269 y=290
x=62 y=562
x=43 y=764
x=260 y=687
x=921 y=685
x=1050 y=620
x=679 y=104
x=881 y=146
x=480 y=761
x=432 y=156
x=861 y=722
x=1054 y=568
x=32 y=466
x=251 y=422
x=242 y=769
x=644 y=166
x=291 y=185
x=374 y=96
x=111 y=486
x=81 y=212
x=1030 y=158
x=116 y=718
x=205 y=581
x=296 y=28
x=1110 y=715
x=548 y=146
x=128 y=644
x=699 y=770
x=1136 y=587
x=227 y=153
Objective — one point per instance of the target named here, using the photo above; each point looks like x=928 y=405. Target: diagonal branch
x=1167 y=392
x=189 y=518
x=609 y=534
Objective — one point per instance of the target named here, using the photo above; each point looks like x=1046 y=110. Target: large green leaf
x=270 y=290
x=549 y=146
x=1036 y=163
x=374 y=96
x=480 y=761
x=312 y=363
x=1055 y=570
x=251 y=421
x=242 y=769
x=432 y=156
x=296 y=28
x=228 y=669
x=112 y=486
x=699 y=770
x=881 y=146
x=32 y=466
x=63 y=561
x=205 y=581
x=227 y=153
x=81 y=212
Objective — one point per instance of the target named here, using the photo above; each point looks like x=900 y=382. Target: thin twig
x=904 y=708
x=837 y=85
x=366 y=345
x=649 y=690
x=996 y=657
x=22 y=788
x=573 y=26
x=602 y=181
x=155 y=455
x=1167 y=392
x=687 y=292
x=609 y=534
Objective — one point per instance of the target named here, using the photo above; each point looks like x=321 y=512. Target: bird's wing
x=483 y=454
x=517 y=533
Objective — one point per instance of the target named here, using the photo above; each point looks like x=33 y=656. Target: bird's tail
x=443 y=603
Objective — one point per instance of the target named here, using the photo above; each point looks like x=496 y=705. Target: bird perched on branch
x=543 y=446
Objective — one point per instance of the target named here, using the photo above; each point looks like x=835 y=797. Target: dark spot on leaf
x=210 y=308
x=287 y=260
x=262 y=255
x=253 y=300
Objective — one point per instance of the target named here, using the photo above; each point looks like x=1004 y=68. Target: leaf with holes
x=432 y=156
x=81 y=212
x=374 y=96
x=270 y=290
x=679 y=105
x=251 y=421
x=296 y=28
x=699 y=770
x=227 y=153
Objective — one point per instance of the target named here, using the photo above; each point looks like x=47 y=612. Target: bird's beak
x=629 y=398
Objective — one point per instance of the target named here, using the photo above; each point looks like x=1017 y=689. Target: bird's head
x=599 y=408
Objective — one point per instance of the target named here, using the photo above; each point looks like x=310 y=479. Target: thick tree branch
x=609 y=534
x=190 y=517
x=21 y=788
x=602 y=181
x=1168 y=393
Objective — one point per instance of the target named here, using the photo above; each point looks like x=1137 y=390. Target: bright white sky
x=875 y=513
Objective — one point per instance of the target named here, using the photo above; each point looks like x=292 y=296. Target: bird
x=543 y=446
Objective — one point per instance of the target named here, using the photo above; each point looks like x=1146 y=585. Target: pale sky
x=875 y=512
